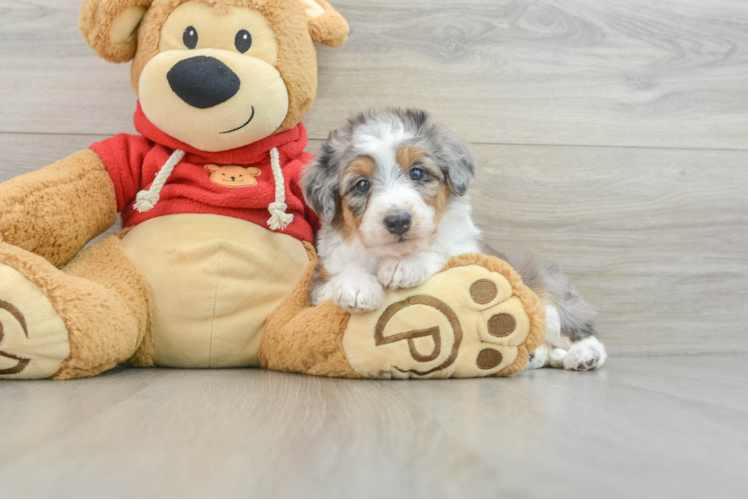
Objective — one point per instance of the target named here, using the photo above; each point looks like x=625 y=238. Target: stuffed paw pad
x=463 y=322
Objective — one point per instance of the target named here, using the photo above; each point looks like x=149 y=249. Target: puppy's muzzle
x=203 y=82
x=398 y=224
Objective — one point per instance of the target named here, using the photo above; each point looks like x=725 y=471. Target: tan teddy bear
x=201 y=264
x=213 y=266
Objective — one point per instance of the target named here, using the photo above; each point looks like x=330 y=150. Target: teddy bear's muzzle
x=212 y=99
x=203 y=82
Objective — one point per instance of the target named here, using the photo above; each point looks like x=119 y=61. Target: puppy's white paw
x=557 y=357
x=322 y=294
x=358 y=294
x=407 y=272
x=586 y=355
x=540 y=358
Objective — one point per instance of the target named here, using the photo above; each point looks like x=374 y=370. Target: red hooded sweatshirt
x=133 y=161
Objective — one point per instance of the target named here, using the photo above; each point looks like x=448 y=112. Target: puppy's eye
x=363 y=186
x=417 y=174
x=243 y=41
x=190 y=37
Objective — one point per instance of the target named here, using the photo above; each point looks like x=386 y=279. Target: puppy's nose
x=398 y=223
x=203 y=82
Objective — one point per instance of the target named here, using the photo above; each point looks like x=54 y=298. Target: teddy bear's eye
x=223 y=175
x=190 y=37
x=243 y=41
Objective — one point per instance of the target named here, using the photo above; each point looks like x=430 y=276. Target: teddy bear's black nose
x=203 y=82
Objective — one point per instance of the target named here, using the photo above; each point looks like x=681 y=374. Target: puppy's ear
x=325 y=25
x=457 y=163
x=320 y=183
x=111 y=27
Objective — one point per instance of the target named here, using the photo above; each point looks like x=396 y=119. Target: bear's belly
x=214 y=281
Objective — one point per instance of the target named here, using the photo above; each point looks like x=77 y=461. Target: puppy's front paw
x=407 y=272
x=321 y=294
x=359 y=294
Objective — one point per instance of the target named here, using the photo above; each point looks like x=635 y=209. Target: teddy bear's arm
x=56 y=211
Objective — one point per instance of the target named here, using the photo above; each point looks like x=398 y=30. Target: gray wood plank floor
x=612 y=138
x=658 y=426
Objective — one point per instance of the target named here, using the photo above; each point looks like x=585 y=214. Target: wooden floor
x=613 y=139
x=656 y=426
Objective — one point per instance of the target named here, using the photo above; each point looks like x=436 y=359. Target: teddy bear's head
x=217 y=74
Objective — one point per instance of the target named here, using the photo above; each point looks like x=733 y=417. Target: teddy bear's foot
x=71 y=323
x=34 y=340
x=474 y=319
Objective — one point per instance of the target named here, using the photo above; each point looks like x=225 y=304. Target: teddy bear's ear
x=211 y=167
x=325 y=24
x=111 y=27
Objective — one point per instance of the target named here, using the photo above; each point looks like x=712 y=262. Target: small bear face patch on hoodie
x=233 y=176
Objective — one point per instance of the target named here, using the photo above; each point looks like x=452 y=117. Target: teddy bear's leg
x=302 y=339
x=473 y=319
x=75 y=322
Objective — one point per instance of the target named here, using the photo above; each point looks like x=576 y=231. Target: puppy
x=390 y=188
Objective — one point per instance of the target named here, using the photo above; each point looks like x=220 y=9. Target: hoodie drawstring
x=148 y=198
x=279 y=219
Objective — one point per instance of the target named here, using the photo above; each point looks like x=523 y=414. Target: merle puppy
x=391 y=190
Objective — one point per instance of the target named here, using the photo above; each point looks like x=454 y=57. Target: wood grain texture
x=612 y=139
x=668 y=73
x=651 y=427
x=655 y=239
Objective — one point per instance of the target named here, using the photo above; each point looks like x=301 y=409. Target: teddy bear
x=212 y=267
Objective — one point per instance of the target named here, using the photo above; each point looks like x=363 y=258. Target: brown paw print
x=21 y=363
x=464 y=322
x=499 y=325
x=34 y=340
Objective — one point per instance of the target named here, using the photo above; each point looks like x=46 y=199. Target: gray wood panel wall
x=612 y=134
